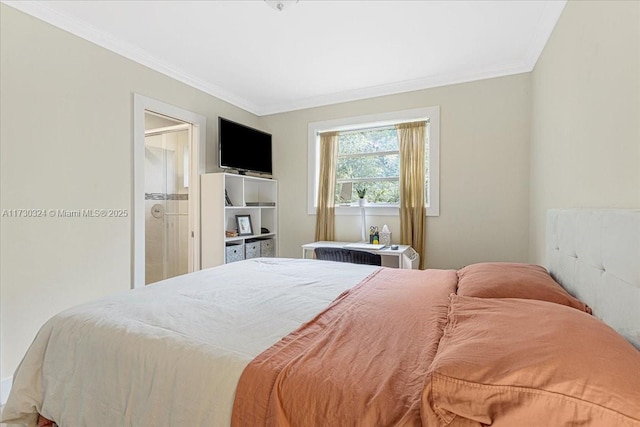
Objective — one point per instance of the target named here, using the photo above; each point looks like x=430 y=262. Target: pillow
x=513 y=280
x=516 y=362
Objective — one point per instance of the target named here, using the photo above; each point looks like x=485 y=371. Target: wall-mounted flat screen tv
x=243 y=148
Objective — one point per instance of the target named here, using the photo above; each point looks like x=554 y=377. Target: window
x=368 y=158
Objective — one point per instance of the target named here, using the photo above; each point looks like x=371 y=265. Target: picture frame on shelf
x=244 y=225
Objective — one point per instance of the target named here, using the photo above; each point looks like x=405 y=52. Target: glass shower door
x=166 y=203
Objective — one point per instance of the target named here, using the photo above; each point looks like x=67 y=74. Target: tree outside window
x=368 y=158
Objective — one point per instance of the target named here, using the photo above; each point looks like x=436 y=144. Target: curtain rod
x=386 y=125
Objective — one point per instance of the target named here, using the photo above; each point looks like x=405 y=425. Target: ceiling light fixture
x=280 y=5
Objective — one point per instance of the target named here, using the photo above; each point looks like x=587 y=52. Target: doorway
x=166 y=194
x=168 y=160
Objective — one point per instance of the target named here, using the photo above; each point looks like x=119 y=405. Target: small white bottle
x=385 y=236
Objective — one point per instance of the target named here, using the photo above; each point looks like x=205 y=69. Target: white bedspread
x=170 y=354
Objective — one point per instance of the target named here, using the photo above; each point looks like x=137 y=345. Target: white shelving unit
x=249 y=195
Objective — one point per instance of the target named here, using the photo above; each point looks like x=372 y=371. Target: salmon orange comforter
x=499 y=344
x=342 y=367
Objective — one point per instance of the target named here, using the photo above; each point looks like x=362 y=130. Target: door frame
x=197 y=154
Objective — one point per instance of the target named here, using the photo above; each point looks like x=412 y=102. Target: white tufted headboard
x=595 y=255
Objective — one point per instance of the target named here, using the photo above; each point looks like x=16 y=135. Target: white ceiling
x=316 y=52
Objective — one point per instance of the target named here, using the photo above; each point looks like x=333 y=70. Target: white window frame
x=432 y=114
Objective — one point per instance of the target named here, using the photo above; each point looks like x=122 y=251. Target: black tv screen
x=243 y=148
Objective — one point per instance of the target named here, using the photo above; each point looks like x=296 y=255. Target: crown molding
x=42 y=11
x=547 y=22
x=395 y=88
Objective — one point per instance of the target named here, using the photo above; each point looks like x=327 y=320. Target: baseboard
x=5 y=388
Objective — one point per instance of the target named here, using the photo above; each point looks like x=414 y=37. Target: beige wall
x=66 y=143
x=484 y=171
x=585 y=139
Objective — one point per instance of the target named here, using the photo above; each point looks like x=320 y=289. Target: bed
x=308 y=342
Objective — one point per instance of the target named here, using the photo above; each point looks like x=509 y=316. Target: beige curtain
x=326 y=211
x=412 y=139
